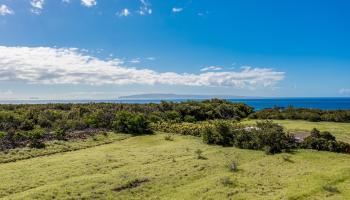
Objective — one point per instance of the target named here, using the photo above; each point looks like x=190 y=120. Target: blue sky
x=60 y=49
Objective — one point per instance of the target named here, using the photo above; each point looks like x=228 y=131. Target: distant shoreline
x=323 y=103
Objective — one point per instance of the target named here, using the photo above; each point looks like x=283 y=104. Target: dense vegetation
x=214 y=120
x=265 y=135
x=313 y=115
x=31 y=125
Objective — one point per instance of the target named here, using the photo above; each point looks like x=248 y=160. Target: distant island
x=158 y=96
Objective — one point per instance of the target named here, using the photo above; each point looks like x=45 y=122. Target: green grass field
x=340 y=130
x=150 y=167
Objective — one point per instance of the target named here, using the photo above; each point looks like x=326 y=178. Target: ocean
x=257 y=103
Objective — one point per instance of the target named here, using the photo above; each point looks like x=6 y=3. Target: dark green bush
x=265 y=136
x=190 y=119
x=324 y=141
x=35 y=137
x=133 y=123
x=219 y=133
x=60 y=134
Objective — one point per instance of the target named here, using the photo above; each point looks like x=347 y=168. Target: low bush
x=324 y=141
x=265 y=136
x=169 y=137
x=219 y=133
x=132 y=123
x=35 y=137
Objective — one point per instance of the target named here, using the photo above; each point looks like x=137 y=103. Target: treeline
x=313 y=115
x=23 y=125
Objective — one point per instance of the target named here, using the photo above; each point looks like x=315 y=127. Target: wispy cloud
x=71 y=66
x=5 y=10
x=150 y=58
x=37 y=6
x=124 y=13
x=177 y=10
x=135 y=61
x=89 y=3
x=145 y=8
x=344 y=91
x=211 y=68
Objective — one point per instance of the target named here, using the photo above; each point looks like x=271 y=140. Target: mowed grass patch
x=340 y=130
x=151 y=167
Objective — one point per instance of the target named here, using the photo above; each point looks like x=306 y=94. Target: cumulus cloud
x=176 y=10
x=5 y=10
x=344 y=91
x=45 y=65
x=37 y=6
x=124 y=13
x=89 y=3
x=211 y=68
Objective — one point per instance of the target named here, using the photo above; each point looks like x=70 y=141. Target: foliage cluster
x=265 y=136
x=20 y=124
x=324 y=141
x=313 y=115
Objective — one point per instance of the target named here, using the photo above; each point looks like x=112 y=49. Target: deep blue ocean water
x=258 y=104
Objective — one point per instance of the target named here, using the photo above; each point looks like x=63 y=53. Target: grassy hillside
x=150 y=167
x=340 y=130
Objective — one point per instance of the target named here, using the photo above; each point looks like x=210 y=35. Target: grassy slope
x=54 y=147
x=174 y=172
x=340 y=130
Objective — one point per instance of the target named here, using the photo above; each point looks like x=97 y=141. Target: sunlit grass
x=340 y=130
x=151 y=167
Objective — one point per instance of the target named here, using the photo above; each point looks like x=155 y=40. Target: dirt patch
x=132 y=184
x=300 y=135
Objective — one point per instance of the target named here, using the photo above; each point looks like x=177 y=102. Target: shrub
x=132 y=123
x=265 y=136
x=190 y=119
x=169 y=137
x=219 y=133
x=35 y=137
x=2 y=134
x=99 y=119
x=60 y=134
x=331 y=189
x=324 y=141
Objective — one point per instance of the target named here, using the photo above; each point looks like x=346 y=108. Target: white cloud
x=144 y=8
x=5 y=10
x=124 y=13
x=37 y=6
x=89 y=3
x=211 y=68
x=66 y=1
x=344 y=91
x=150 y=58
x=45 y=65
x=176 y=10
